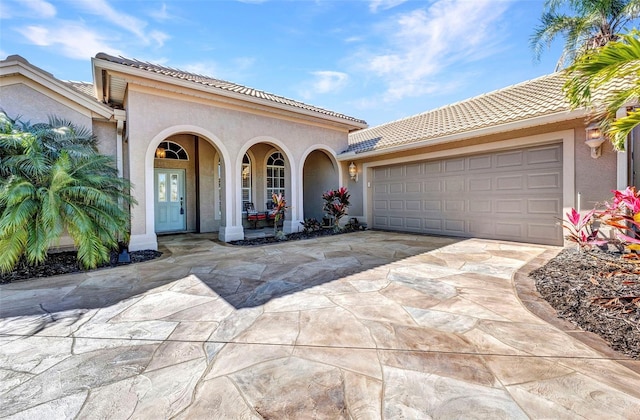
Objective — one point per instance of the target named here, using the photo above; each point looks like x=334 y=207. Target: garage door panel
x=413 y=187
x=509 y=230
x=480 y=184
x=413 y=223
x=513 y=195
x=413 y=205
x=454 y=226
x=509 y=206
x=544 y=180
x=380 y=205
x=480 y=162
x=544 y=155
x=413 y=170
x=509 y=159
x=381 y=189
x=454 y=185
x=509 y=182
x=548 y=206
x=480 y=206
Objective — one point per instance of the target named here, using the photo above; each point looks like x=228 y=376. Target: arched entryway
x=188 y=183
x=264 y=168
x=319 y=174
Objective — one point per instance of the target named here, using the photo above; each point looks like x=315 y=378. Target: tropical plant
x=311 y=225
x=336 y=203
x=52 y=180
x=279 y=207
x=580 y=229
x=623 y=214
x=591 y=25
x=612 y=75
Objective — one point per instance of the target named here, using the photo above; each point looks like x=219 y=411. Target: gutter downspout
x=623 y=161
x=120 y=117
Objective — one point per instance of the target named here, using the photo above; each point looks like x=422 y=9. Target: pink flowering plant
x=336 y=203
x=623 y=214
x=580 y=229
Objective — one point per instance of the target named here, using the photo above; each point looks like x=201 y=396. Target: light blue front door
x=170 y=200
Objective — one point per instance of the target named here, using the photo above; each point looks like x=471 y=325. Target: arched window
x=275 y=175
x=171 y=150
x=246 y=180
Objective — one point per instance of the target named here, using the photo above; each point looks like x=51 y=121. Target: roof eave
x=21 y=66
x=497 y=129
x=99 y=64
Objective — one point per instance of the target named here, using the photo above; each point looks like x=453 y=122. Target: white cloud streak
x=324 y=81
x=376 y=5
x=74 y=40
x=117 y=18
x=426 y=43
x=40 y=8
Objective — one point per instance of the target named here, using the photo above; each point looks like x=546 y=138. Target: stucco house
x=505 y=165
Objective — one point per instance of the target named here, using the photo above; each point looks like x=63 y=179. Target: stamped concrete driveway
x=366 y=325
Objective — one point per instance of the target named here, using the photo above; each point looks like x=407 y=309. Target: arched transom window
x=246 y=180
x=171 y=150
x=275 y=175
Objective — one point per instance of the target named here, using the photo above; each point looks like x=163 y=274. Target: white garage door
x=513 y=195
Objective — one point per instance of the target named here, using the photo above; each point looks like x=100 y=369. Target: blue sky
x=379 y=60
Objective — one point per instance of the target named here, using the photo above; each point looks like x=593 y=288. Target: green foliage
x=52 y=180
x=608 y=79
x=311 y=225
x=336 y=204
x=590 y=25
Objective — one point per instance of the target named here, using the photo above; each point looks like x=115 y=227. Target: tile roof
x=86 y=88
x=530 y=99
x=224 y=86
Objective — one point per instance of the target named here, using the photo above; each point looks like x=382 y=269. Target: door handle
x=181 y=205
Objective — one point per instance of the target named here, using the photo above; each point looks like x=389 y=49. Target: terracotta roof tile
x=223 y=85
x=530 y=99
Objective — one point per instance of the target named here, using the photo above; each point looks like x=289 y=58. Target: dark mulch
x=66 y=263
x=290 y=237
x=598 y=291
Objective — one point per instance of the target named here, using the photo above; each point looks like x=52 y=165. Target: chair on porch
x=271 y=212
x=253 y=215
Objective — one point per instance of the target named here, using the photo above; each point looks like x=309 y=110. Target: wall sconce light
x=161 y=153
x=353 y=171
x=594 y=140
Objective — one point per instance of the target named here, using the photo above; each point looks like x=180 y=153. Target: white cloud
x=73 y=39
x=324 y=81
x=129 y=23
x=374 y=5
x=160 y=15
x=425 y=44
x=40 y=8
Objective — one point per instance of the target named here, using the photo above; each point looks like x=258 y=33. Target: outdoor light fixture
x=594 y=140
x=161 y=153
x=353 y=171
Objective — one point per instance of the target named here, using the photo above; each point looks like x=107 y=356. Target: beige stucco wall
x=319 y=176
x=105 y=131
x=24 y=101
x=150 y=113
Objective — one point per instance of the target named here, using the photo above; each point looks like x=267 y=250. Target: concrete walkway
x=366 y=325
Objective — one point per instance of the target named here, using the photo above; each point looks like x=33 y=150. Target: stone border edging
x=525 y=288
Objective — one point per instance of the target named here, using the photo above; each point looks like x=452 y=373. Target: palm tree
x=612 y=75
x=52 y=180
x=593 y=24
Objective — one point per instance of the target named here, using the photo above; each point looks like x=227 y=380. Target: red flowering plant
x=623 y=214
x=581 y=230
x=336 y=203
x=279 y=206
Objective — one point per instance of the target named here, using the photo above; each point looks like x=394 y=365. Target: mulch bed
x=290 y=237
x=597 y=291
x=67 y=263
